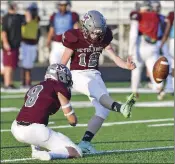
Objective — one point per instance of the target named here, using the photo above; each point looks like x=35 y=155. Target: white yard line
x=104 y=152
x=15 y=160
x=12 y=96
x=160 y=125
x=51 y=123
x=107 y=124
x=86 y=104
x=110 y=90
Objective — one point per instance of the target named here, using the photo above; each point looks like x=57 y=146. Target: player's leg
x=10 y=61
x=61 y=146
x=28 y=53
x=169 y=88
x=150 y=64
x=136 y=77
x=92 y=85
x=171 y=49
x=94 y=125
x=2 y=68
x=56 y=52
x=38 y=135
x=136 y=73
x=2 y=65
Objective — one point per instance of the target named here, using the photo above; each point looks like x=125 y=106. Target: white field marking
x=104 y=152
x=164 y=63
x=12 y=96
x=11 y=109
x=110 y=90
x=51 y=123
x=107 y=124
x=160 y=125
x=86 y=104
x=15 y=160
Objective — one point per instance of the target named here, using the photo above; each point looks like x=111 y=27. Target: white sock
x=59 y=153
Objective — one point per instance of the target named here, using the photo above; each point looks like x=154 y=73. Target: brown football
x=161 y=69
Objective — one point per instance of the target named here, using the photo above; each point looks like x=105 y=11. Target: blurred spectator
x=162 y=45
x=2 y=65
x=142 y=43
x=30 y=34
x=60 y=22
x=11 y=38
x=169 y=33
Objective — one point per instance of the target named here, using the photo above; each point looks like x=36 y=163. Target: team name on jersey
x=90 y=49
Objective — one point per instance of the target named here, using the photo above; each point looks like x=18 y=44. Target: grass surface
x=123 y=137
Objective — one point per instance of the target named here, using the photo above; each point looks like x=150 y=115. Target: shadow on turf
x=24 y=146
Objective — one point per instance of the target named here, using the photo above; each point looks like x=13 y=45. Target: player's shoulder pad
x=70 y=36
x=134 y=15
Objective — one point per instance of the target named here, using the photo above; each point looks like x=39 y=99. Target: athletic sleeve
x=75 y=17
x=69 y=39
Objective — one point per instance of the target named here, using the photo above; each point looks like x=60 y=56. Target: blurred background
x=117 y=15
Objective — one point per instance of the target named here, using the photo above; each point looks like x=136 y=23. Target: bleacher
x=116 y=12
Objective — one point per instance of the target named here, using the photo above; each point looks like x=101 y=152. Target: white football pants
x=57 y=50
x=90 y=83
x=42 y=136
x=171 y=51
x=146 y=54
x=166 y=52
x=28 y=55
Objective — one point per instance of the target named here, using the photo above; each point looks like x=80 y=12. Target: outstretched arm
x=67 y=109
x=118 y=61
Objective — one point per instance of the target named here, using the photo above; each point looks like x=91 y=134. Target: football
x=161 y=69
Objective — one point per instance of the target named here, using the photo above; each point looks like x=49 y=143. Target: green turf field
x=152 y=129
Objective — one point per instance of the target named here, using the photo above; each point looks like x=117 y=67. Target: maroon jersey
x=171 y=17
x=148 y=23
x=41 y=101
x=134 y=15
x=86 y=54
